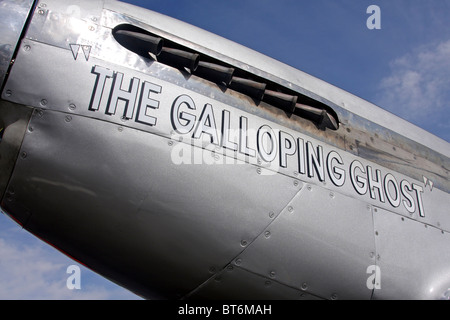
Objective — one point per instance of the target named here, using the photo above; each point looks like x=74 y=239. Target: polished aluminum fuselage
x=176 y=187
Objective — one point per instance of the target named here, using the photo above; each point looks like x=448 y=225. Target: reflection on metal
x=13 y=16
x=13 y=124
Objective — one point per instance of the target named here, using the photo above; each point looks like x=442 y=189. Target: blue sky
x=403 y=67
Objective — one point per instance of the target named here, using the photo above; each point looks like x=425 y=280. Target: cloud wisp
x=418 y=88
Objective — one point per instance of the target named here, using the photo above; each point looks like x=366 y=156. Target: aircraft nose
x=13 y=18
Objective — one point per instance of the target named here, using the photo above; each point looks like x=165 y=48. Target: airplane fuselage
x=181 y=165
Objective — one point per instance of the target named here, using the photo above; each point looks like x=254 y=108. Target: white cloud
x=418 y=88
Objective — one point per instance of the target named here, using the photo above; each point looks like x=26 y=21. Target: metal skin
x=176 y=187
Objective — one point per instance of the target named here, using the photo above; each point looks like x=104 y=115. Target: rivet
x=23 y=155
x=295 y=173
x=68 y=118
x=91 y=28
x=72 y=106
x=271 y=214
x=304 y=286
x=272 y=274
x=295 y=183
x=290 y=209
x=120 y=129
x=267 y=283
x=8 y=93
x=41 y=12
x=334 y=296
x=238 y=261
x=372 y=254
x=30 y=129
x=267 y=234
x=230 y=267
x=44 y=102
x=170 y=143
x=309 y=188
x=27 y=48
x=332 y=195
x=243 y=243
x=258 y=170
